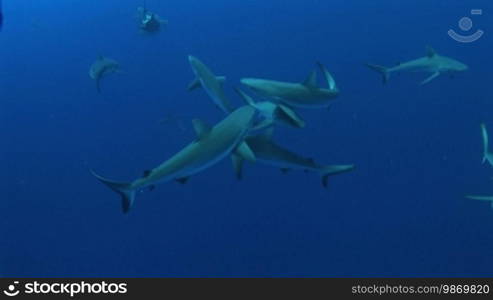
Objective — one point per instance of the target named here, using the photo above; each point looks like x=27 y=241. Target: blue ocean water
x=402 y=212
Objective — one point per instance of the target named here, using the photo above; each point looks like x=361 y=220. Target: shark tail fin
x=122 y=188
x=384 y=71
x=327 y=171
x=487 y=155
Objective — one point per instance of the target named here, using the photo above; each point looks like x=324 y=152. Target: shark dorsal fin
x=202 y=129
x=430 y=52
x=311 y=80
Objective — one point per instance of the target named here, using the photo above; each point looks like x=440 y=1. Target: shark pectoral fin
x=430 y=52
x=384 y=71
x=182 y=180
x=263 y=124
x=432 y=76
x=327 y=171
x=237 y=165
x=311 y=80
x=289 y=116
x=244 y=151
x=328 y=77
x=195 y=84
x=122 y=188
x=201 y=128
x=247 y=99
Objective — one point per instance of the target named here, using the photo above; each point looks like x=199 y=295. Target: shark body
x=432 y=63
x=212 y=84
x=305 y=94
x=210 y=147
x=102 y=67
x=269 y=153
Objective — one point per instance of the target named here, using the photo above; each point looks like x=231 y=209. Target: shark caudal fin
x=327 y=171
x=382 y=70
x=487 y=155
x=122 y=188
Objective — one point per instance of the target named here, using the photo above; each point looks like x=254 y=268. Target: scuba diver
x=149 y=21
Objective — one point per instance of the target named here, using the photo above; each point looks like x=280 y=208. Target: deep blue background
x=401 y=213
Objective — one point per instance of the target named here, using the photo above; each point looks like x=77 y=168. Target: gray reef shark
x=431 y=63
x=269 y=153
x=273 y=113
x=306 y=94
x=102 y=67
x=212 y=84
x=210 y=147
x=487 y=155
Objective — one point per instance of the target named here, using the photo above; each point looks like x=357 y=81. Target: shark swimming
x=273 y=113
x=212 y=84
x=432 y=63
x=306 y=94
x=210 y=147
x=269 y=153
x=102 y=67
x=487 y=155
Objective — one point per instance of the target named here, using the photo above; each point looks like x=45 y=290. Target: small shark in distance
x=273 y=113
x=487 y=155
x=269 y=153
x=431 y=63
x=102 y=67
x=306 y=94
x=210 y=147
x=213 y=85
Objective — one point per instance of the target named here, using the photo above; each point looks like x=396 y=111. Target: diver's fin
x=432 y=76
x=327 y=171
x=237 y=165
x=311 y=80
x=384 y=71
x=244 y=151
x=201 y=128
x=122 y=188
